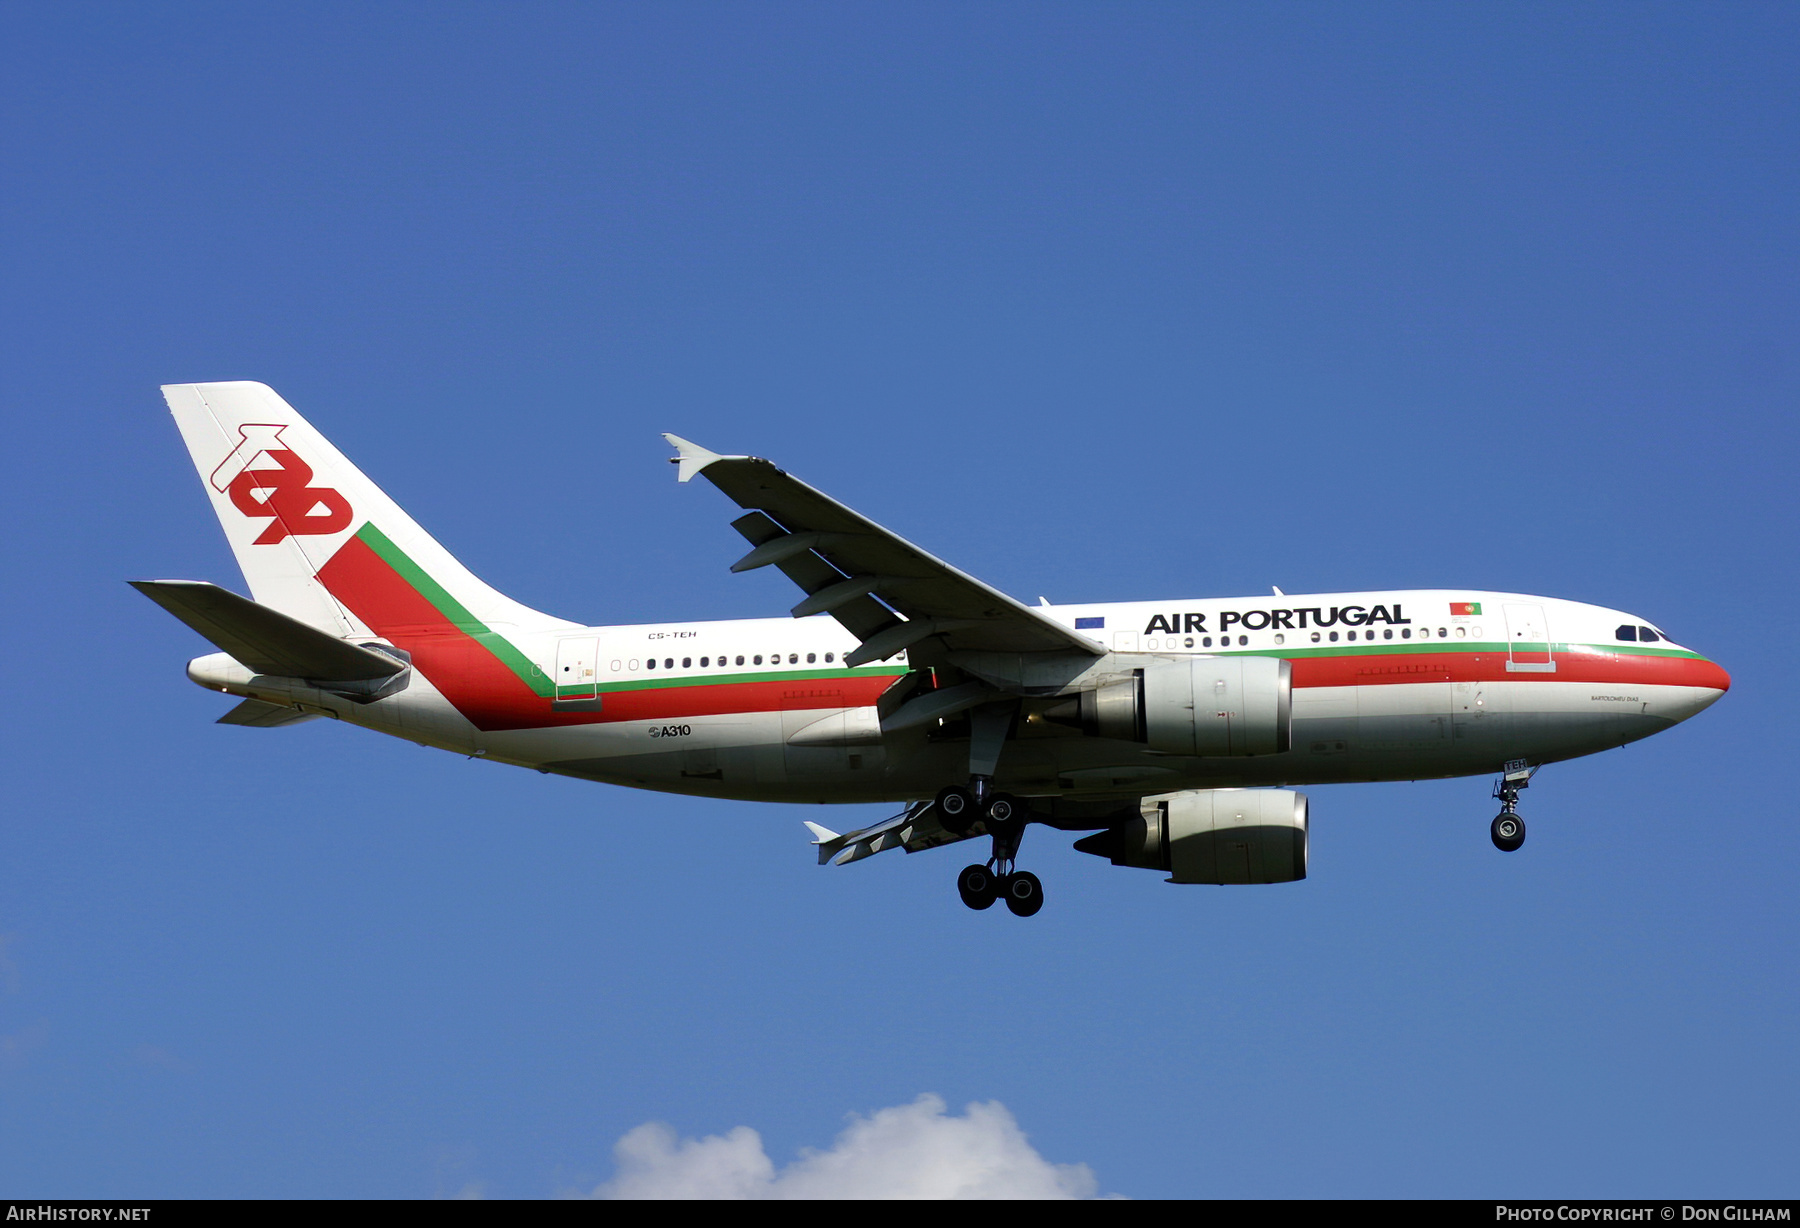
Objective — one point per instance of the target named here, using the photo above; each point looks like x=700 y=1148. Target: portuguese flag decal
x=1464 y=608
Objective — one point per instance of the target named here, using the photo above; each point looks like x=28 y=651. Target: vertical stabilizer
x=315 y=538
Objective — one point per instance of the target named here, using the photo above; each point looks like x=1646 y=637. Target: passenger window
x=1443 y=634
x=812 y=658
x=1647 y=636
x=615 y=667
x=634 y=664
x=1315 y=637
x=1628 y=633
x=1242 y=640
x=1189 y=641
x=793 y=658
x=758 y=658
x=1406 y=633
x=668 y=662
x=830 y=657
x=1386 y=634
x=1460 y=633
x=740 y=659
x=1206 y=641
x=1334 y=637
x=650 y=663
x=1280 y=638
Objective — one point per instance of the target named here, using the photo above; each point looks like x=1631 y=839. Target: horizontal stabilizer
x=264 y=639
x=259 y=715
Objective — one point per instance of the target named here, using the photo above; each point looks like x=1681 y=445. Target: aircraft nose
x=1713 y=675
x=1701 y=684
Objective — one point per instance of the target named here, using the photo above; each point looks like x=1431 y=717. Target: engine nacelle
x=1223 y=706
x=1219 y=836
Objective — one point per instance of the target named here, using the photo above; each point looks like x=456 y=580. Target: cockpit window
x=1627 y=633
x=1647 y=636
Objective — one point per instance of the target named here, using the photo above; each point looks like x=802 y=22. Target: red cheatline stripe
x=1620 y=669
x=493 y=697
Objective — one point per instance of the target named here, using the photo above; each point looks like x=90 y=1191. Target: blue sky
x=1098 y=302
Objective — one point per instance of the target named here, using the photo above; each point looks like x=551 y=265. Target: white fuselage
x=1385 y=685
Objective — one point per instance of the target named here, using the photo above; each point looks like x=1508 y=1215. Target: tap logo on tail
x=282 y=491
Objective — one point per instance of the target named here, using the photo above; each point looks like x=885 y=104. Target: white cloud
x=913 y=1150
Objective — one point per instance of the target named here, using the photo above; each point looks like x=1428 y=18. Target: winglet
x=691 y=458
x=828 y=842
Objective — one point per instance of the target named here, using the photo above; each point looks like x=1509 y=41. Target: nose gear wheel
x=1508 y=829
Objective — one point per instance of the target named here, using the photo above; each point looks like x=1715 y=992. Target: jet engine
x=1224 y=706
x=1216 y=836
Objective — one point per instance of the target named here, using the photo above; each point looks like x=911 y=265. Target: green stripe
x=454 y=611
x=458 y=615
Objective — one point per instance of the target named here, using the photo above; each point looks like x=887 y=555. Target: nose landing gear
x=1508 y=829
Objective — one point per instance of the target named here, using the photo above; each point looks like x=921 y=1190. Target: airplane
x=1169 y=731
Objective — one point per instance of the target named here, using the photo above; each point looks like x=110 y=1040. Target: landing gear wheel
x=1508 y=832
x=1024 y=894
x=978 y=887
x=1002 y=808
x=956 y=809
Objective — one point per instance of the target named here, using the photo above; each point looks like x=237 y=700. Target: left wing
x=886 y=591
x=914 y=829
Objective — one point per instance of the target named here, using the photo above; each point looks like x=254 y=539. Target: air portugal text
x=1186 y=622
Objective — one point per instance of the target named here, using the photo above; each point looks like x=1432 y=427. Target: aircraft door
x=1468 y=709
x=577 y=673
x=1528 y=647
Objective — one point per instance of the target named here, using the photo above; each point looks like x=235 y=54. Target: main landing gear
x=1005 y=819
x=959 y=809
x=1508 y=829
